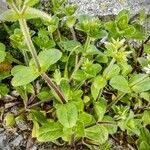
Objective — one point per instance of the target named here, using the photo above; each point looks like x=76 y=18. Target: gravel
x=109 y=7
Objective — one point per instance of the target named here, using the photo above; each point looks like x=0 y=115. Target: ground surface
x=107 y=7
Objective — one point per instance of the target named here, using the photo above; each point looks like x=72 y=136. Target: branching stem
x=28 y=40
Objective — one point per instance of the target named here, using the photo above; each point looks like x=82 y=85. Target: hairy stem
x=32 y=49
x=120 y=96
x=73 y=33
x=77 y=66
x=87 y=43
x=54 y=87
x=26 y=34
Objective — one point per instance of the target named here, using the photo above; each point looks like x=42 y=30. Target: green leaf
x=23 y=75
x=35 y=129
x=123 y=13
x=32 y=13
x=2 y=52
x=97 y=133
x=78 y=102
x=64 y=85
x=109 y=73
x=31 y=2
x=44 y=94
x=120 y=83
x=9 y=15
x=147 y=48
x=3 y=89
x=144 y=135
x=49 y=132
x=85 y=118
x=38 y=117
x=101 y=58
x=99 y=83
x=48 y=58
x=112 y=128
x=72 y=46
x=10 y=120
x=92 y=50
x=122 y=21
x=145 y=95
x=146 y=117
x=100 y=108
x=67 y=114
x=140 y=33
x=70 y=21
x=80 y=75
x=67 y=132
x=23 y=93
x=143 y=61
x=144 y=146
x=140 y=83
x=79 y=130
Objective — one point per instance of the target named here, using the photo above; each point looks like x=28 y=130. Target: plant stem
x=31 y=106
x=116 y=100
x=54 y=87
x=73 y=33
x=87 y=43
x=32 y=49
x=77 y=66
x=25 y=55
x=75 y=39
x=26 y=34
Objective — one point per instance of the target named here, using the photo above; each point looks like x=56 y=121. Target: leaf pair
x=24 y=75
x=137 y=83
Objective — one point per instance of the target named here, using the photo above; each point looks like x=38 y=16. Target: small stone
x=17 y=141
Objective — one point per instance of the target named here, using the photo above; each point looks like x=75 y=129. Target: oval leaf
x=67 y=114
x=97 y=134
x=9 y=15
x=49 y=132
x=140 y=83
x=120 y=83
x=47 y=58
x=23 y=75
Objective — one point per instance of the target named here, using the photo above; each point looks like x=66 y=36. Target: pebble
x=109 y=7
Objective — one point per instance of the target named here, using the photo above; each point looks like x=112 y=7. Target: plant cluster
x=81 y=80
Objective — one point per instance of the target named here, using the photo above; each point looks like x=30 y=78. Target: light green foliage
x=97 y=133
x=67 y=114
x=120 y=83
x=2 y=52
x=49 y=132
x=3 y=89
x=101 y=79
x=9 y=120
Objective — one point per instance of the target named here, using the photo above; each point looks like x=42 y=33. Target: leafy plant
x=98 y=86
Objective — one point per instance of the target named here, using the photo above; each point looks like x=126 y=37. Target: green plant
x=95 y=90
